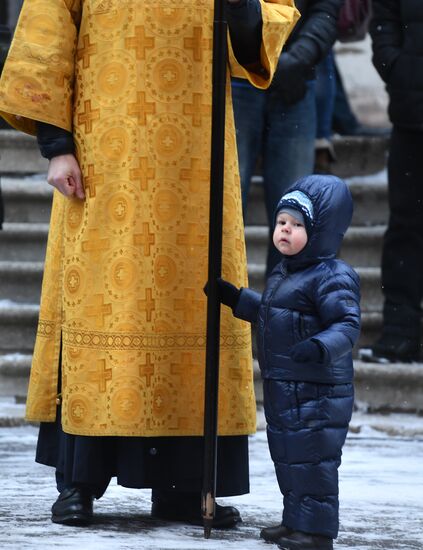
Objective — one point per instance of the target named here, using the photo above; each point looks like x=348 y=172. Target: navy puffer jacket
x=311 y=295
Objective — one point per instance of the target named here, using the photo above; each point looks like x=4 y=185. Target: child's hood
x=333 y=208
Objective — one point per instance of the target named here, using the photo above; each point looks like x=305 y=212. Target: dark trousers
x=307 y=424
x=402 y=256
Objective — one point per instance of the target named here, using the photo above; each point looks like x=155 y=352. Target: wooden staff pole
x=215 y=264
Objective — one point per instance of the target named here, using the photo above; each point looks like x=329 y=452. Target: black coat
x=397 y=33
x=316 y=30
x=311 y=295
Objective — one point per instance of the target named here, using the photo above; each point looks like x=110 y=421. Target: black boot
x=186 y=507
x=273 y=534
x=303 y=541
x=74 y=506
x=391 y=348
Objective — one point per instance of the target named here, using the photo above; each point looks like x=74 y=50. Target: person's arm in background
x=57 y=145
x=387 y=36
x=245 y=28
x=309 y=44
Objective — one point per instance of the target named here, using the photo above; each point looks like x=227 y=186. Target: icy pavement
x=381 y=486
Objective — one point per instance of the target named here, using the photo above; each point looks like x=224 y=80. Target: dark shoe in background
x=391 y=349
x=187 y=508
x=273 y=534
x=74 y=506
x=303 y=541
x=324 y=156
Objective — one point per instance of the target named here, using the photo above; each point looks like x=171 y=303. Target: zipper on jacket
x=302 y=326
x=276 y=287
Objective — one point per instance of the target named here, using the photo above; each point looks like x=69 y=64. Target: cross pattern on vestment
x=88 y=116
x=141 y=108
x=188 y=305
x=92 y=179
x=191 y=237
x=94 y=243
x=86 y=51
x=101 y=375
x=187 y=368
x=143 y=173
x=147 y=369
x=98 y=309
x=145 y=239
x=197 y=44
x=140 y=43
x=195 y=175
x=197 y=109
x=148 y=304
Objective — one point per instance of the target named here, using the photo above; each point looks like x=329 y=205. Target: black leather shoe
x=74 y=506
x=273 y=534
x=303 y=541
x=189 y=511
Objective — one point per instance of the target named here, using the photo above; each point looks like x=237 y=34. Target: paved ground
x=381 y=498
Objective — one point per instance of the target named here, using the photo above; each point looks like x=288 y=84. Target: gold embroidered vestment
x=125 y=269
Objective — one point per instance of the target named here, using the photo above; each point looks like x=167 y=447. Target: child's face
x=289 y=236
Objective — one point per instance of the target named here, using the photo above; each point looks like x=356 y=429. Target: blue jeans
x=283 y=136
x=325 y=96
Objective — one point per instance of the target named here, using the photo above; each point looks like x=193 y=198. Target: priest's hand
x=65 y=175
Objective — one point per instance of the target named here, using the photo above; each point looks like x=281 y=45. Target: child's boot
x=297 y=540
x=273 y=534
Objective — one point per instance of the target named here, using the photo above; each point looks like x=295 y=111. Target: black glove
x=227 y=292
x=290 y=80
x=307 y=351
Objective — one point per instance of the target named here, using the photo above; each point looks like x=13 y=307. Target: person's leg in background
x=248 y=105
x=344 y=121
x=288 y=152
x=402 y=254
x=325 y=102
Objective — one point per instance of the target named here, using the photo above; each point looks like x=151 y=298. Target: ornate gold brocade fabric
x=125 y=269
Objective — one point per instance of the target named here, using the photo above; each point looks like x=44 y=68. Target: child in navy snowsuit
x=308 y=320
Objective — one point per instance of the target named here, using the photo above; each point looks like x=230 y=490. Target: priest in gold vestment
x=119 y=94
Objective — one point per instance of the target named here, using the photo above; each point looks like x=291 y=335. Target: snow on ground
x=381 y=484
x=380 y=178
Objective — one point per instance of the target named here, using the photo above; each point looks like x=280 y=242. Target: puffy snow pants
x=307 y=424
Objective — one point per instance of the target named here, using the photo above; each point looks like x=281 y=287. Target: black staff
x=215 y=264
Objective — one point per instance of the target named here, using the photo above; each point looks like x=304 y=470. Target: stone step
x=20 y=154
x=359 y=156
x=26 y=200
x=18 y=324
x=369 y=194
x=14 y=375
x=21 y=281
x=371 y=295
x=371 y=327
x=355 y=155
x=21 y=242
x=362 y=246
x=378 y=388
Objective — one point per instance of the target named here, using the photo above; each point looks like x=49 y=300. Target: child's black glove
x=307 y=351
x=227 y=292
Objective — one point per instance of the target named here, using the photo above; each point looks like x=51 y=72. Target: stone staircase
x=27 y=200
